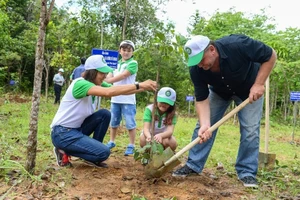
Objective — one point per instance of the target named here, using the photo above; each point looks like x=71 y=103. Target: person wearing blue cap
x=232 y=68
x=76 y=119
x=165 y=120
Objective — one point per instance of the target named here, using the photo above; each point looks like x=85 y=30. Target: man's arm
x=258 y=88
x=203 y=111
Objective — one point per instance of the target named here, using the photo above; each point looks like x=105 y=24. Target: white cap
x=166 y=95
x=129 y=42
x=61 y=70
x=195 y=48
x=97 y=62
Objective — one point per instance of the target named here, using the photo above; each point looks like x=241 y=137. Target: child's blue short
x=128 y=111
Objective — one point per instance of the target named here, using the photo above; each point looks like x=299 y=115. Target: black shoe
x=96 y=164
x=249 y=181
x=184 y=171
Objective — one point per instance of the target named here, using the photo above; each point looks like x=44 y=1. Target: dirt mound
x=125 y=179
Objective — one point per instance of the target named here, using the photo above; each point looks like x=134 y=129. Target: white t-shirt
x=75 y=105
x=132 y=66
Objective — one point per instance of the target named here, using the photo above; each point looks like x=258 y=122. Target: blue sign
x=111 y=57
x=189 y=98
x=295 y=96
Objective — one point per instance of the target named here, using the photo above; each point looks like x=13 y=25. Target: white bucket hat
x=61 y=70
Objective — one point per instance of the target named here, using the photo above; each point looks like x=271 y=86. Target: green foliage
x=281 y=177
x=163 y=55
x=137 y=197
x=72 y=34
x=10 y=167
x=284 y=178
x=147 y=151
x=62 y=61
x=4 y=31
x=101 y=24
x=225 y=23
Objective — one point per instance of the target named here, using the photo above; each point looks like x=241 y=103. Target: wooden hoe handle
x=211 y=129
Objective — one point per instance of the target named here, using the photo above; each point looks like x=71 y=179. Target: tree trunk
x=125 y=21
x=39 y=63
x=47 y=68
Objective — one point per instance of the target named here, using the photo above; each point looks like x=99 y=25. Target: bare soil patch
x=125 y=179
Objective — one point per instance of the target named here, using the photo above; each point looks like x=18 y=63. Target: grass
x=283 y=180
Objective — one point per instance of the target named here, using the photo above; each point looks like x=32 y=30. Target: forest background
x=103 y=24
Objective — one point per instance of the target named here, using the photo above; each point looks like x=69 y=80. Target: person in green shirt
x=165 y=120
x=124 y=105
x=77 y=129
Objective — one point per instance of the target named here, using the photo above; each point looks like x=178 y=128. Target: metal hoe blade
x=154 y=168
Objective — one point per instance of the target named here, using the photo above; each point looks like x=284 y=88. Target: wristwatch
x=137 y=85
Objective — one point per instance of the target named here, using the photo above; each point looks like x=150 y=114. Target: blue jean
x=78 y=143
x=57 y=91
x=249 y=119
x=127 y=110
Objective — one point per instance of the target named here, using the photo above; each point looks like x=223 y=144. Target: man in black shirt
x=232 y=68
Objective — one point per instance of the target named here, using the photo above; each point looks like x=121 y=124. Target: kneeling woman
x=76 y=118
